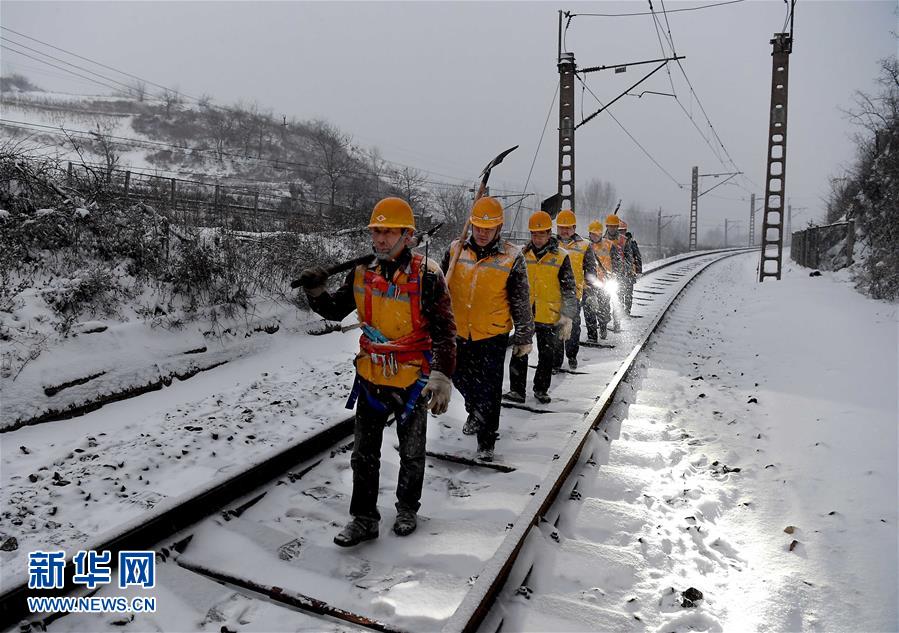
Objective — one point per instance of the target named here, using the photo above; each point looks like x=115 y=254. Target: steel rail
x=477 y=603
x=146 y=531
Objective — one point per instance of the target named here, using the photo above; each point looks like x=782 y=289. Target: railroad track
x=281 y=513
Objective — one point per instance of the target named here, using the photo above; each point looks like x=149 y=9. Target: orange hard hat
x=487 y=213
x=612 y=220
x=566 y=218
x=392 y=213
x=595 y=227
x=622 y=226
x=540 y=221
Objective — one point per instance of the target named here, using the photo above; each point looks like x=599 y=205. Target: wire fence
x=265 y=208
x=828 y=247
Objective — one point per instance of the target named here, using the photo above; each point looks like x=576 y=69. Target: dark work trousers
x=366 y=459
x=479 y=378
x=627 y=287
x=596 y=311
x=518 y=366
x=570 y=347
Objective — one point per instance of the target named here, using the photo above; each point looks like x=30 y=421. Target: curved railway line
x=281 y=513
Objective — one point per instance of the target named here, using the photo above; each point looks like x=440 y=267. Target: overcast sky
x=446 y=86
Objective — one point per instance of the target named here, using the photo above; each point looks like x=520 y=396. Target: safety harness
x=389 y=354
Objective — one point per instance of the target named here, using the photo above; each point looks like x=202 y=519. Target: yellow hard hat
x=540 y=221
x=487 y=213
x=622 y=226
x=612 y=220
x=566 y=218
x=595 y=227
x=392 y=213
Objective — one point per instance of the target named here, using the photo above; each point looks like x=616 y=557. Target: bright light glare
x=611 y=286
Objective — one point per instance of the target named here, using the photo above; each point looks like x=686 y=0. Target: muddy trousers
x=479 y=378
x=570 y=347
x=547 y=333
x=627 y=291
x=366 y=459
x=596 y=312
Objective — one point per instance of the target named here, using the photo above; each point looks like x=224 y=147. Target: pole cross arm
x=720 y=183
x=609 y=104
x=649 y=61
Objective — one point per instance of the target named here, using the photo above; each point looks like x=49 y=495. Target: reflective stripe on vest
x=478 y=291
x=545 y=290
x=577 y=249
x=393 y=308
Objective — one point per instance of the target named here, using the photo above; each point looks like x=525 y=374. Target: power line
x=621 y=15
x=37 y=59
x=87 y=59
x=645 y=151
x=87 y=70
x=539 y=143
x=60 y=131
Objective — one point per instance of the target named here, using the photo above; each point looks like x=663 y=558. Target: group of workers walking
x=427 y=327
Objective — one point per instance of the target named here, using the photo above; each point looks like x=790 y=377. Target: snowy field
x=694 y=490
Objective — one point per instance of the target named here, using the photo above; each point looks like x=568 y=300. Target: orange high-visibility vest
x=545 y=290
x=478 y=290
x=394 y=309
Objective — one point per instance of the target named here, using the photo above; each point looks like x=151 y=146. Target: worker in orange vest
x=596 y=297
x=583 y=264
x=489 y=289
x=553 y=299
x=632 y=255
x=611 y=256
x=406 y=357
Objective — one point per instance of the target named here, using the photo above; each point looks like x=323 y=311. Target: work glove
x=313 y=280
x=438 y=391
x=522 y=350
x=564 y=325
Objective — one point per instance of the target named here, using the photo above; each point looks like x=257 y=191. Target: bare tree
x=331 y=147
x=410 y=184
x=139 y=89
x=454 y=204
x=597 y=198
x=171 y=99
x=106 y=148
x=221 y=125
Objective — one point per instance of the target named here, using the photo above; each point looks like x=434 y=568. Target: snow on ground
x=757 y=464
x=695 y=489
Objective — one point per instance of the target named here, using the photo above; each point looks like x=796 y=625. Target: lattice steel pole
x=567 y=68
x=752 y=219
x=776 y=173
x=694 y=209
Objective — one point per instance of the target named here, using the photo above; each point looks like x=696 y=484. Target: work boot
x=472 y=425
x=591 y=338
x=485 y=454
x=542 y=397
x=514 y=396
x=572 y=364
x=405 y=523
x=356 y=531
x=556 y=370
x=603 y=332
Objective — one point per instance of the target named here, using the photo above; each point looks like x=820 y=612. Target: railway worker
x=583 y=264
x=553 y=300
x=632 y=253
x=596 y=298
x=610 y=255
x=406 y=357
x=489 y=289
